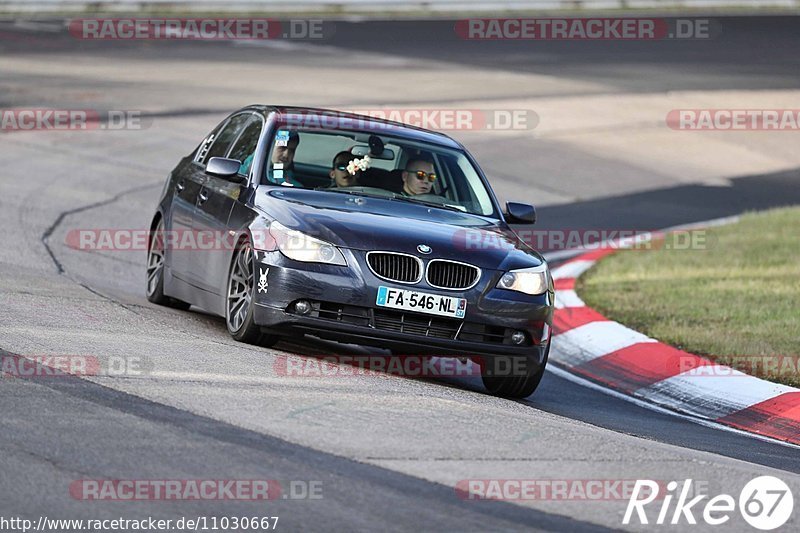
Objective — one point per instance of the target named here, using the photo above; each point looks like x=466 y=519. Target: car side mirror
x=520 y=213
x=227 y=169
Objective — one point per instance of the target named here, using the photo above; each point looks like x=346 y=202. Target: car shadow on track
x=559 y=396
x=331 y=354
x=684 y=204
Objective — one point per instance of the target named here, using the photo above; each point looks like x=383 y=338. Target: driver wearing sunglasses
x=418 y=177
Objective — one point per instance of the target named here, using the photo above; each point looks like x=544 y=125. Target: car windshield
x=377 y=164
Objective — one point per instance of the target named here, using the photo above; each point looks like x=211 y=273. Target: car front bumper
x=344 y=309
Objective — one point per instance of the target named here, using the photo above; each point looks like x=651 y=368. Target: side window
x=226 y=136
x=245 y=147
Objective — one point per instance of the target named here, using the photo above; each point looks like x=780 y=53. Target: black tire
x=155 y=271
x=239 y=306
x=516 y=387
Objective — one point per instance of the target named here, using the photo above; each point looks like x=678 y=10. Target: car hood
x=370 y=224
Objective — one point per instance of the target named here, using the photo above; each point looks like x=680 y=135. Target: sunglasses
x=341 y=168
x=421 y=175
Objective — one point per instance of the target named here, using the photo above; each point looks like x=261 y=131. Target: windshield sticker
x=282 y=138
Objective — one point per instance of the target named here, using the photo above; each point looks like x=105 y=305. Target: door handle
x=179 y=186
x=203 y=195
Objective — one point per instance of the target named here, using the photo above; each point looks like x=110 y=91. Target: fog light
x=518 y=337
x=303 y=307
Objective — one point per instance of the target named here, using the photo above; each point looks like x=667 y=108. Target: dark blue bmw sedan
x=354 y=229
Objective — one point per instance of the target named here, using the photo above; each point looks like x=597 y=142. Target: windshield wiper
x=413 y=200
x=359 y=193
x=396 y=196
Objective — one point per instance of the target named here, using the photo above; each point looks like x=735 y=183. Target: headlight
x=528 y=280
x=301 y=247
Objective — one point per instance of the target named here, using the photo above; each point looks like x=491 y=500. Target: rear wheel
x=239 y=306
x=155 y=271
x=515 y=386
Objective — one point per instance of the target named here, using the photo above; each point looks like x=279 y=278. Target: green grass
x=737 y=301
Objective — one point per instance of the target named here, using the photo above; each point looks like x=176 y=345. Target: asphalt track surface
x=387 y=451
x=744 y=53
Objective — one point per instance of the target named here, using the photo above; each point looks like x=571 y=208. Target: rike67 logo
x=765 y=503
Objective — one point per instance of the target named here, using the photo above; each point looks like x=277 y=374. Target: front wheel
x=525 y=378
x=155 y=271
x=239 y=305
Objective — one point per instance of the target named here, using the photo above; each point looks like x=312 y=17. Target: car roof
x=398 y=128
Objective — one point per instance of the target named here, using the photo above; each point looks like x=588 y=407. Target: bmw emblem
x=424 y=249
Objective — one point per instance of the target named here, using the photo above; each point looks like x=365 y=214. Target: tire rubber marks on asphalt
x=777 y=417
x=718 y=393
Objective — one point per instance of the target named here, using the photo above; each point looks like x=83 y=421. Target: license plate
x=421 y=302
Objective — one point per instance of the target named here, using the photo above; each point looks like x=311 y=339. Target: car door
x=214 y=205
x=184 y=200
